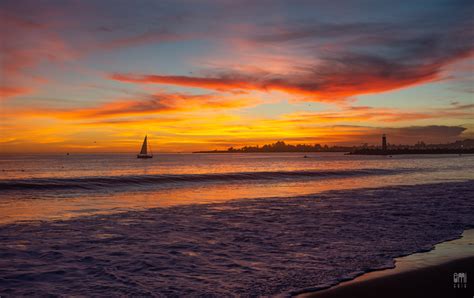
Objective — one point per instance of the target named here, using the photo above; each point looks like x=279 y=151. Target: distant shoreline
x=359 y=151
x=245 y=152
x=459 y=147
x=410 y=151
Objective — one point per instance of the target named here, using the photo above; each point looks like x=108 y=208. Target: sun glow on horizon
x=77 y=77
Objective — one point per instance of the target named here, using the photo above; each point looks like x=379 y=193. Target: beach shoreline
x=432 y=281
x=423 y=274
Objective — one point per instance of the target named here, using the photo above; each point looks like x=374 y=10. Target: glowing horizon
x=97 y=76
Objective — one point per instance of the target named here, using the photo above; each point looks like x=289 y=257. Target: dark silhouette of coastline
x=458 y=147
x=281 y=146
x=411 y=151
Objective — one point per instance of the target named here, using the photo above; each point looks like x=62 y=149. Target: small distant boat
x=144 y=152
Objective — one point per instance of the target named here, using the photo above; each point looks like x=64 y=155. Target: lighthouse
x=384 y=142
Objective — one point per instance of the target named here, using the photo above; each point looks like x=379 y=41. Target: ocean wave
x=250 y=248
x=98 y=182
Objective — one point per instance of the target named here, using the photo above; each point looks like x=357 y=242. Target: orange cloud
x=371 y=114
x=328 y=75
x=328 y=83
x=26 y=44
x=175 y=126
x=163 y=103
x=6 y=92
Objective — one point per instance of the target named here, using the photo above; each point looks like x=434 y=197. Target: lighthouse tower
x=384 y=142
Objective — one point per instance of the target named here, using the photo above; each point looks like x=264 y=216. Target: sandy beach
x=432 y=281
x=425 y=274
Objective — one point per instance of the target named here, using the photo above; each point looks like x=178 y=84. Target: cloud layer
x=341 y=60
x=215 y=73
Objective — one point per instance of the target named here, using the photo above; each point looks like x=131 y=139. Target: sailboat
x=144 y=152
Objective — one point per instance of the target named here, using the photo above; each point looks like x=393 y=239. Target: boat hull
x=144 y=156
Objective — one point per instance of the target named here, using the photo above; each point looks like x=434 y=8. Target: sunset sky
x=91 y=76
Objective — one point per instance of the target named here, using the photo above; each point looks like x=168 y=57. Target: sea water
x=48 y=186
x=221 y=224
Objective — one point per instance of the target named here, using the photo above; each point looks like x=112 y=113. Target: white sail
x=144 y=150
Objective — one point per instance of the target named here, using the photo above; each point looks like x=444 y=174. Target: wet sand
x=429 y=274
x=433 y=281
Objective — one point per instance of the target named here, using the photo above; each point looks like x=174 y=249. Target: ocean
x=220 y=224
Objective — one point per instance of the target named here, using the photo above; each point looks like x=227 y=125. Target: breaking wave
x=99 y=182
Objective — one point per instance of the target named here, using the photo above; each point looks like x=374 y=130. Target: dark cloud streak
x=345 y=59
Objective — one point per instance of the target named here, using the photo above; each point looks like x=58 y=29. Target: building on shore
x=384 y=142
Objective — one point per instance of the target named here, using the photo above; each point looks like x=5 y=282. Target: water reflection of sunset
x=117 y=197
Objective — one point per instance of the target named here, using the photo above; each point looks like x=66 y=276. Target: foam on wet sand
x=425 y=274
